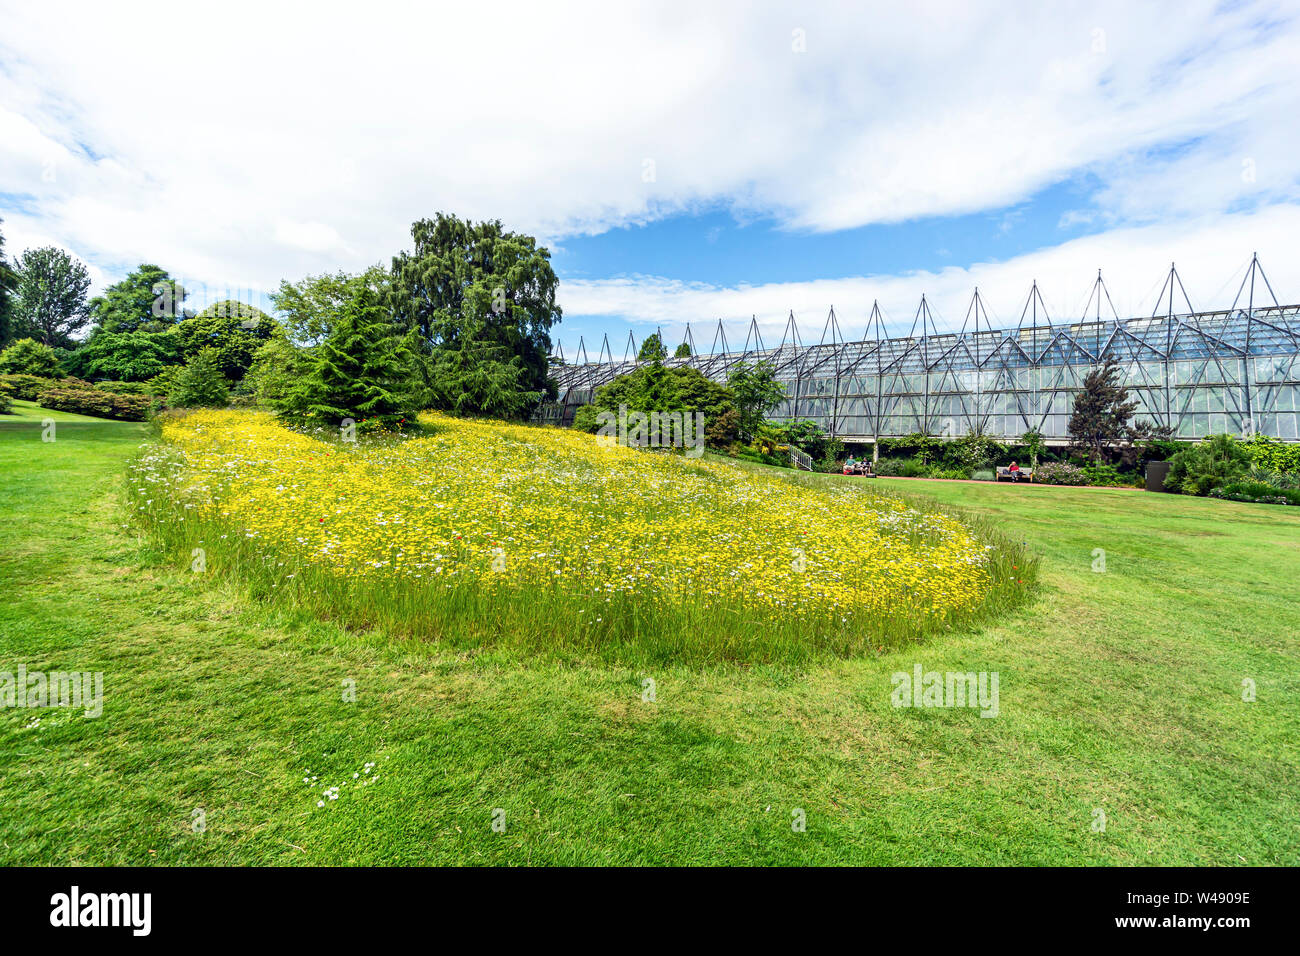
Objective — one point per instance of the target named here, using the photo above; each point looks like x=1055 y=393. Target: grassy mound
x=480 y=533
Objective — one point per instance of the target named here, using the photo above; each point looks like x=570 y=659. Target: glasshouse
x=1200 y=373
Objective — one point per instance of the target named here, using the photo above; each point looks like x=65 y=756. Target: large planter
x=1157 y=471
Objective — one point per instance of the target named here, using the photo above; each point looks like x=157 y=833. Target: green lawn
x=1119 y=690
x=24 y=412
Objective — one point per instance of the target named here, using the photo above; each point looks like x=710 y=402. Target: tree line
x=459 y=322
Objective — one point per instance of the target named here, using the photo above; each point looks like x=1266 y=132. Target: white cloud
x=243 y=143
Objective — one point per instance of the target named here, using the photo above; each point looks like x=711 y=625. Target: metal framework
x=1201 y=373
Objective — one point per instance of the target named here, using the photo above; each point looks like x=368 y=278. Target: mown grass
x=22 y=412
x=1119 y=690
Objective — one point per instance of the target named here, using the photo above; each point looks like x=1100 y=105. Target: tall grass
x=551 y=616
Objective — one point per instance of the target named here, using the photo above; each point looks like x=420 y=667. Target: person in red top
x=1015 y=471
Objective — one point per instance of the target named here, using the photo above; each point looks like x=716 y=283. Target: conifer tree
x=200 y=383
x=365 y=368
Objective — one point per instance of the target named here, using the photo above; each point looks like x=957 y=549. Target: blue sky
x=716 y=247
x=685 y=162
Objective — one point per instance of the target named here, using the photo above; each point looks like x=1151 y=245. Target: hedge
x=96 y=402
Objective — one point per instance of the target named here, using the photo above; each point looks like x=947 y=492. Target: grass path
x=1118 y=690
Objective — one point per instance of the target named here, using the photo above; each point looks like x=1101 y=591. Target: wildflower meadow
x=580 y=543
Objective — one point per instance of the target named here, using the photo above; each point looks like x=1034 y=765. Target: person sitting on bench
x=1015 y=471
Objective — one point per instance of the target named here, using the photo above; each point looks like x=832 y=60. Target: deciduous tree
x=235 y=330
x=51 y=296
x=757 y=392
x=8 y=286
x=29 y=357
x=148 y=299
x=134 y=356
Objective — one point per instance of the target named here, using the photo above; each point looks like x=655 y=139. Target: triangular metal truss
x=1233 y=370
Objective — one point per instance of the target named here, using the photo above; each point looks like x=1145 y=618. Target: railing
x=801 y=460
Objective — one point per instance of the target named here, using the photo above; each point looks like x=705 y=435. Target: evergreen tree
x=1102 y=414
x=200 y=383
x=365 y=368
x=482 y=301
x=652 y=349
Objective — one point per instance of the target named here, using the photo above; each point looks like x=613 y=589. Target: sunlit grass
x=1120 y=690
x=480 y=533
x=24 y=412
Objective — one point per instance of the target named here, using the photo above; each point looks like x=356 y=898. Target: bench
x=859 y=468
x=1026 y=474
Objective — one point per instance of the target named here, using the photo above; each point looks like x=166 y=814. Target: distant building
x=1201 y=373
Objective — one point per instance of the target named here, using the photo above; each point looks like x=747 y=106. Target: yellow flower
x=511 y=506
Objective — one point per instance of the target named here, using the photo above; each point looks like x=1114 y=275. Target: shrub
x=6 y=403
x=125 y=388
x=165 y=381
x=1199 y=469
x=889 y=467
x=1273 y=454
x=983 y=474
x=27 y=387
x=915 y=468
x=1105 y=476
x=1060 y=473
x=723 y=429
x=805 y=435
x=974 y=451
x=1257 y=491
x=832 y=458
x=585 y=420
x=950 y=474
x=748 y=453
x=1278 y=479
x=29 y=357
x=1157 y=449
x=96 y=402
x=923 y=446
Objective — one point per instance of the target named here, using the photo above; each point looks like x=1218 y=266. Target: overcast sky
x=684 y=162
